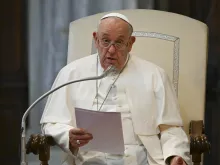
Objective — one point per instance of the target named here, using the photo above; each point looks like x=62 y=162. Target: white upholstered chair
x=174 y=42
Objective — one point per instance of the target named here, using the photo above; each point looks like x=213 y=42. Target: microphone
x=110 y=69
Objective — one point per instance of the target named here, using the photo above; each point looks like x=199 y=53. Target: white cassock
x=144 y=96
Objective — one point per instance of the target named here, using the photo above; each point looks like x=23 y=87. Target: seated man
x=140 y=90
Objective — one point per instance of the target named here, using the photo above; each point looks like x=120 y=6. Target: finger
x=82 y=144
x=83 y=137
x=74 y=141
x=79 y=143
x=74 y=138
x=178 y=161
x=77 y=131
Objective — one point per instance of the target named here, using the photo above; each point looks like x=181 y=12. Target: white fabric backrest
x=174 y=42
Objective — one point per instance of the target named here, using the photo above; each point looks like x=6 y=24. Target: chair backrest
x=176 y=43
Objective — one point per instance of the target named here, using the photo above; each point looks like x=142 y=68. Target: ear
x=95 y=38
x=131 y=42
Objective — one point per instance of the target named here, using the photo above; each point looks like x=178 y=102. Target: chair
x=174 y=42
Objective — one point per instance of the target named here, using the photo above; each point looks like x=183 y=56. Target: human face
x=113 y=42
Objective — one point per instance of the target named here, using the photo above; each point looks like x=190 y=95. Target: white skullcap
x=118 y=15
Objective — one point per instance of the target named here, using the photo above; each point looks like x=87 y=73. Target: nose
x=112 y=49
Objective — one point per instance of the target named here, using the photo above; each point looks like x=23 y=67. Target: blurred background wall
x=33 y=48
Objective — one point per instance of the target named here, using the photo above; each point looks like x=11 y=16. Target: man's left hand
x=177 y=161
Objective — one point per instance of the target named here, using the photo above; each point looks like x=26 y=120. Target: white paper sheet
x=106 y=128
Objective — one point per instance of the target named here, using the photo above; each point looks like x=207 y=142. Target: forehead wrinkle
x=108 y=33
x=116 y=25
x=103 y=34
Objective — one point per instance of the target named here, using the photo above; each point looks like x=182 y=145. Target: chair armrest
x=199 y=143
x=40 y=145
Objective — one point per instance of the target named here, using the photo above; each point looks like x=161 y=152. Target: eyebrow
x=105 y=34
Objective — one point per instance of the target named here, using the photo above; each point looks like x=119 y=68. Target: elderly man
x=138 y=89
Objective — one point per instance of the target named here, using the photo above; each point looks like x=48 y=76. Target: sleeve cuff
x=174 y=142
x=60 y=133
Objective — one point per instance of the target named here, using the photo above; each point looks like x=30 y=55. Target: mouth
x=110 y=60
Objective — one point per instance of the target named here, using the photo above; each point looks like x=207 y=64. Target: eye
x=105 y=40
x=120 y=42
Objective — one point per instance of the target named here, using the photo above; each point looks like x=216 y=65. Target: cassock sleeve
x=174 y=141
x=57 y=118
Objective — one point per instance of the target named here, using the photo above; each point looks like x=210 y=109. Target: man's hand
x=79 y=137
x=176 y=160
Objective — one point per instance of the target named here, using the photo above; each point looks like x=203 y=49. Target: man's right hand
x=79 y=137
